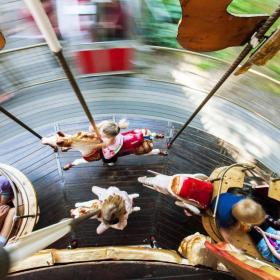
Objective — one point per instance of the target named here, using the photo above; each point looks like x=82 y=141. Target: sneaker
x=111 y=163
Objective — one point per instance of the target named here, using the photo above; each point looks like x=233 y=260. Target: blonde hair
x=113 y=208
x=111 y=128
x=248 y=211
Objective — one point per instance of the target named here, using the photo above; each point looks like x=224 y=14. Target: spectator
x=6 y=191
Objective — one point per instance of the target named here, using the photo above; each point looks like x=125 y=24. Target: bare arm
x=101 y=228
x=121 y=225
x=7 y=226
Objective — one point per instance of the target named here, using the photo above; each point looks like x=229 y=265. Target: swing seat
x=274 y=189
x=241 y=265
x=223 y=178
x=207 y=26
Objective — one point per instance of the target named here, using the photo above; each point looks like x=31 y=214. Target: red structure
x=104 y=60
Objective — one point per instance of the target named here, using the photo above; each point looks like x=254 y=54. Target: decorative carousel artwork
x=242 y=265
x=192 y=191
x=193 y=248
x=115 y=207
x=208 y=26
x=113 y=145
x=227 y=213
x=266 y=52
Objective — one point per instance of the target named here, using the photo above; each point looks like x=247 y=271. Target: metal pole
x=259 y=35
x=38 y=240
x=43 y=23
x=11 y=116
x=76 y=89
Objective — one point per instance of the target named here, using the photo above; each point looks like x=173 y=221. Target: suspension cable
x=259 y=35
x=76 y=89
x=11 y=116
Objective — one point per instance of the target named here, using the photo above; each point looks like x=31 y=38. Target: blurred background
x=130 y=38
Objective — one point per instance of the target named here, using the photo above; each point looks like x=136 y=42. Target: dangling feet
x=67 y=166
x=45 y=141
x=163 y=153
x=155 y=135
x=159 y=136
x=73 y=244
x=108 y=163
x=154 y=243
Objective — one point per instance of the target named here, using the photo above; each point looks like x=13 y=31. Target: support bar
x=76 y=89
x=37 y=240
x=259 y=35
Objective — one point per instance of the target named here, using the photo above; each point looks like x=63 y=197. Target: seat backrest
x=274 y=189
x=227 y=177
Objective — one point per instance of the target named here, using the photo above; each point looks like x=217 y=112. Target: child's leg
x=4 y=210
x=110 y=161
x=7 y=226
x=87 y=204
x=157 y=135
x=156 y=152
x=75 y=163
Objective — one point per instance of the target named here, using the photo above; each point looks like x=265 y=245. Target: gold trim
x=51 y=257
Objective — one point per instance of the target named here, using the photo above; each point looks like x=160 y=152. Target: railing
x=35 y=65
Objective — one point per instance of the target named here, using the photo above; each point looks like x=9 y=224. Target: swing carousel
x=66 y=176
